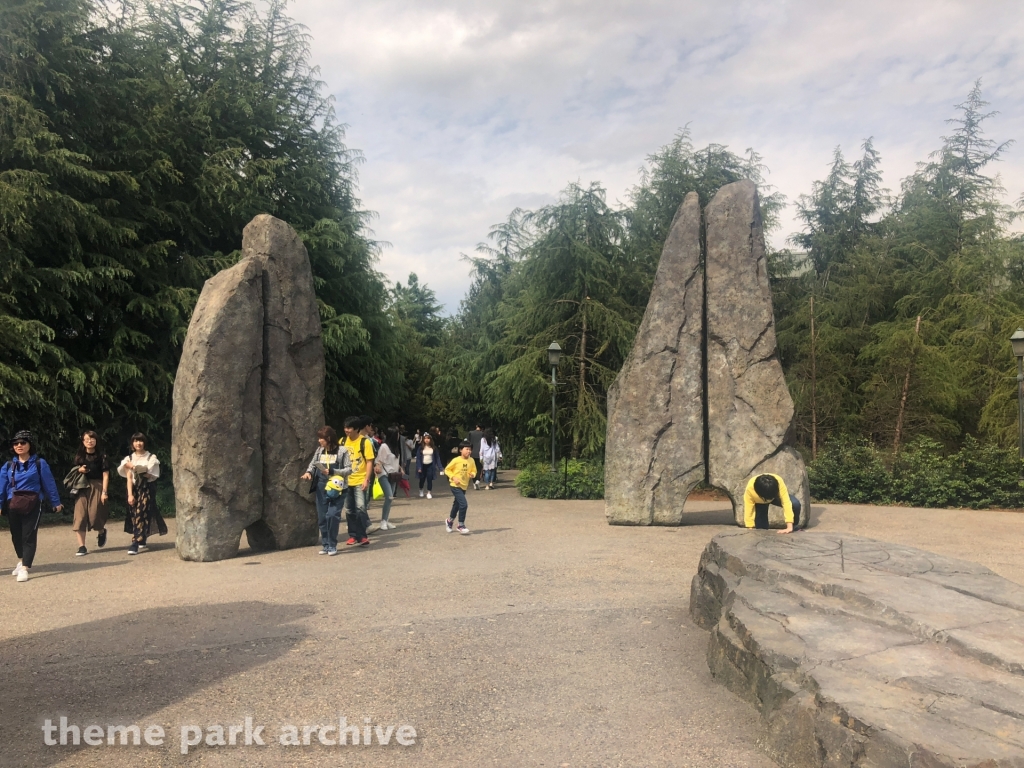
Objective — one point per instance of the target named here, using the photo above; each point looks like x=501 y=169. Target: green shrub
x=849 y=469
x=976 y=476
x=532 y=450
x=578 y=480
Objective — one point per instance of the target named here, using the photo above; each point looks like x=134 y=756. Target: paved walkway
x=544 y=638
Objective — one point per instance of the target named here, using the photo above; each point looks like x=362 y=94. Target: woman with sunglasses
x=24 y=480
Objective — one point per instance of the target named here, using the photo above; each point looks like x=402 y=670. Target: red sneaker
x=364 y=542
x=351 y=541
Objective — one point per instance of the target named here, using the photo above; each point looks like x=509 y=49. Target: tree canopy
x=136 y=141
x=138 y=138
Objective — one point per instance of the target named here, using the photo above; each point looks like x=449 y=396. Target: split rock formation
x=702 y=395
x=248 y=397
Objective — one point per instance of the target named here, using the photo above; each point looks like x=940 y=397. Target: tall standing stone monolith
x=750 y=411
x=248 y=399
x=216 y=449
x=655 y=448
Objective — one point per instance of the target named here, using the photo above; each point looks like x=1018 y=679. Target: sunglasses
x=20 y=442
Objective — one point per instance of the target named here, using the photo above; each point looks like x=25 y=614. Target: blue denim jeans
x=389 y=495
x=490 y=475
x=459 y=505
x=761 y=513
x=329 y=519
x=355 y=512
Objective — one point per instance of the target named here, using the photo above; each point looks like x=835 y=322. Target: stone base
x=863 y=653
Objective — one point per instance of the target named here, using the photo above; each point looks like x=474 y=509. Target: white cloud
x=465 y=110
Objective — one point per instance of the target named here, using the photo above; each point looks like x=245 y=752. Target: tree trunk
x=903 y=397
x=814 y=391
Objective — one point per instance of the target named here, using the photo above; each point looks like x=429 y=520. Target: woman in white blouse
x=427 y=459
x=140 y=468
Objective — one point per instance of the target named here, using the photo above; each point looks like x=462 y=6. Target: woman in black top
x=91 y=502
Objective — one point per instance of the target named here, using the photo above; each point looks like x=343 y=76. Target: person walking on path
x=407 y=446
x=476 y=436
x=490 y=455
x=764 y=490
x=329 y=460
x=91 y=501
x=389 y=471
x=361 y=456
x=24 y=480
x=141 y=469
x=459 y=472
x=370 y=433
x=427 y=461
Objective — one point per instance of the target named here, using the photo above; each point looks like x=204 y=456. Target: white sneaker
x=372 y=527
x=391 y=526
x=476 y=485
x=23 y=574
x=17 y=569
x=462 y=529
x=421 y=493
x=428 y=495
x=383 y=525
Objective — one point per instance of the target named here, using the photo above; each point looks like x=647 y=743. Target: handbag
x=23 y=502
x=394 y=477
x=75 y=481
x=378 y=492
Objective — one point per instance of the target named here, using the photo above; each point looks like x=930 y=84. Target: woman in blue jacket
x=24 y=480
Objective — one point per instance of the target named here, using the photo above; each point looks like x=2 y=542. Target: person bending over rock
x=763 y=491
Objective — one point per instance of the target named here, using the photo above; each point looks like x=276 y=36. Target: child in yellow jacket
x=459 y=472
x=764 y=490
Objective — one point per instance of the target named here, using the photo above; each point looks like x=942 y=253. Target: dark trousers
x=24 y=529
x=428 y=479
x=355 y=512
x=459 y=505
x=761 y=513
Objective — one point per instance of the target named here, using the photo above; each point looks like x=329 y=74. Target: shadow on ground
x=123 y=669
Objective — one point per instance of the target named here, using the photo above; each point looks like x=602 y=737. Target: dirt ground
x=543 y=638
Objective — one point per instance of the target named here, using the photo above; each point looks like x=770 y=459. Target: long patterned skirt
x=143 y=517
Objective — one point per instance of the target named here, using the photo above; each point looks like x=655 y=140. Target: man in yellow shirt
x=361 y=454
x=459 y=472
x=764 y=490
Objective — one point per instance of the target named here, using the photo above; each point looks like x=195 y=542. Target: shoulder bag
x=23 y=502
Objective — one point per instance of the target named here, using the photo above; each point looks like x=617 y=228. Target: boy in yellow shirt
x=764 y=490
x=459 y=472
x=361 y=456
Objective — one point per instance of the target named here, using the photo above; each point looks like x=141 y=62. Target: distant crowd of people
x=345 y=474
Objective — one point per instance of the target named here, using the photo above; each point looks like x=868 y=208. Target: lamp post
x=554 y=355
x=1017 y=342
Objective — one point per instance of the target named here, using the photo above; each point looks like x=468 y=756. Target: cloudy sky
x=466 y=110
